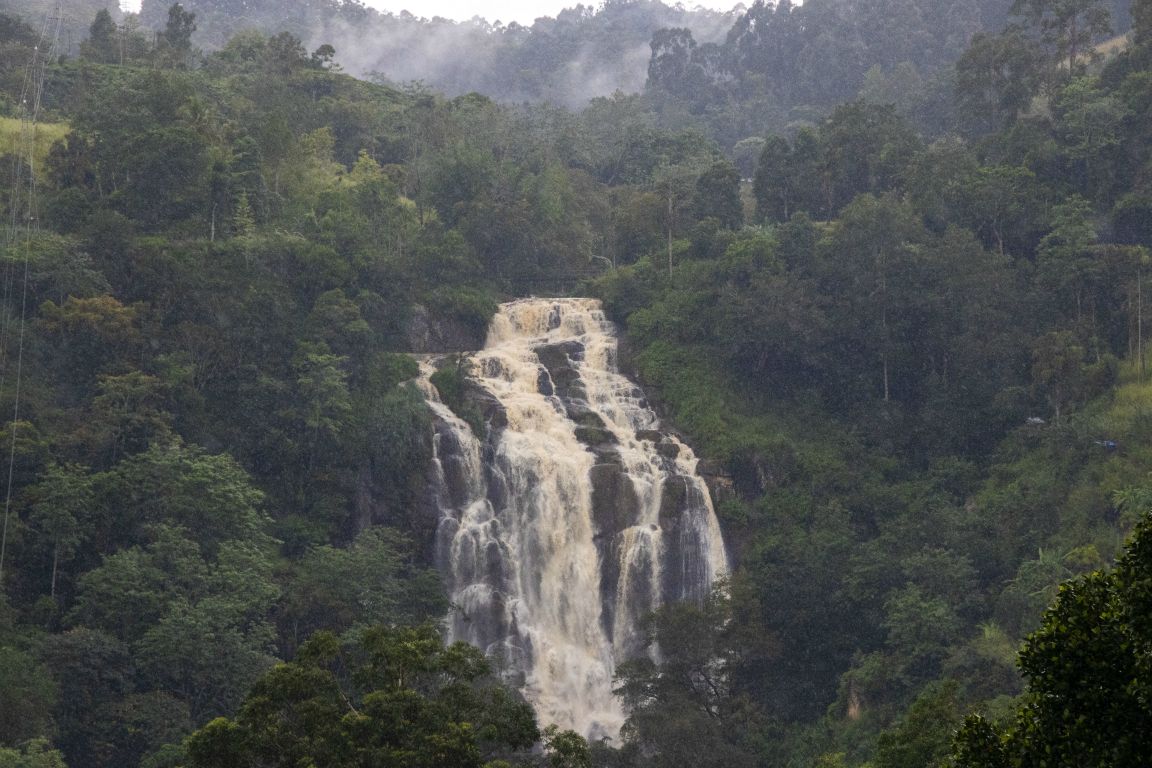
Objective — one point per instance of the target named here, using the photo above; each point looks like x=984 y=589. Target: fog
x=583 y=52
x=579 y=55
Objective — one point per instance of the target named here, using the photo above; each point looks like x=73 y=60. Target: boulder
x=672 y=500
x=614 y=503
x=595 y=436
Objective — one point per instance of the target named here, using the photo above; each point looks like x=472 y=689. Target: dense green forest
x=897 y=305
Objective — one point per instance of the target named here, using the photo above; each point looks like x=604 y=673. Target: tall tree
x=774 y=183
x=178 y=31
x=718 y=195
x=876 y=239
x=1066 y=27
x=684 y=711
x=865 y=148
x=675 y=184
x=63 y=500
x=996 y=78
x=101 y=43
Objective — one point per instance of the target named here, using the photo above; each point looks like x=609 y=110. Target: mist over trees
x=584 y=52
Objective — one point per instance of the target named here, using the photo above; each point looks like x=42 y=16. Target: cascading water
x=571 y=518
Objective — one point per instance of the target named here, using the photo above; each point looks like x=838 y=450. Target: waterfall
x=571 y=518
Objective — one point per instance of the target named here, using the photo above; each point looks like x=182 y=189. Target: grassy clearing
x=46 y=134
x=1114 y=45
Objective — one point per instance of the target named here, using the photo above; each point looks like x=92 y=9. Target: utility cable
x=30 y=117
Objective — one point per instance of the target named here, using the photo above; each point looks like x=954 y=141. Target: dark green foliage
x=94 y=670
x=218 y=454
x=36 y=753
x=566 y=749
x=1066 y=27
x=787 y=177
x=860 y=148
x=101 y=45
x=923 y=737
x=686 y=711
x=451 y=383
x=997 y=78
x=186 y=487
x=28 y=696
x=472 y=307
x=368 y=582
x=1087 y=671
x=718 y=196
x=178 y=31
x=867 y=148
x=389 y=697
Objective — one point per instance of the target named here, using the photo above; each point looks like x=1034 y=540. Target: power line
x=24 y=199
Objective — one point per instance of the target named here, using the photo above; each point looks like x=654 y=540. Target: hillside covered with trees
x=907 y=336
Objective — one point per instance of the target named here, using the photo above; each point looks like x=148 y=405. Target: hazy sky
x=523 y=11
x=507 y=11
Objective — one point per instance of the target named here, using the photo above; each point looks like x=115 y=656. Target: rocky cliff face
x=428 y=335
